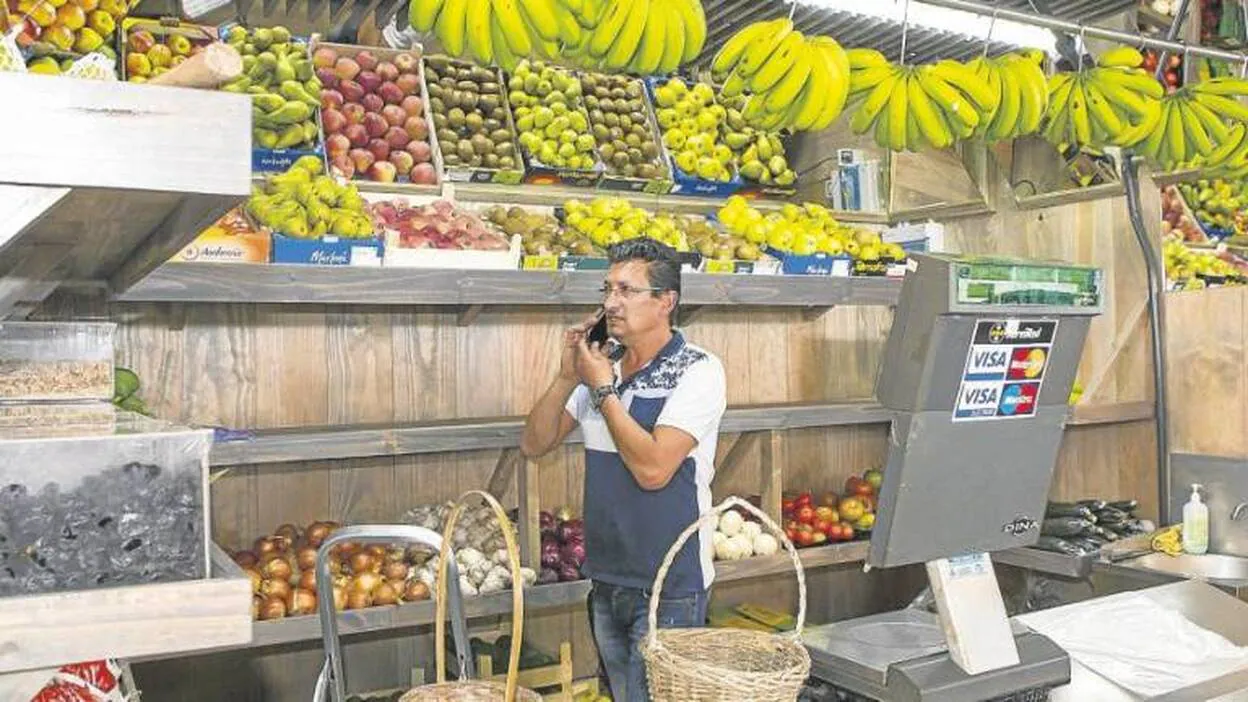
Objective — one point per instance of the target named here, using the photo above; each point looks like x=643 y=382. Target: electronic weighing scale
x=976 y=372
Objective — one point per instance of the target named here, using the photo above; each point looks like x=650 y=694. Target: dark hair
x=662 y=264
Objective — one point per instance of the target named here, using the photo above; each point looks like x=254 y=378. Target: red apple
x=333 y=120
x=424 y=174
x=387 y=70
x=346 y=68
x=420 y=151
x=332 y=98
x=373 y=102
x=407 y=63
x=343 y=165
x=351 y=91
x=380 y=149
x=354 y=112
x=337 y=144
x=369 y=80
x=324 y=57
x=391 y=93
x=367 y=60
x=806 y=514
x=356 y=134
x=375 y=124
x=394 y=114
x=328 y=78
x=397 y=137
x=417 y=127
x=402 y=161
x=413 y=105
x=408 y=83
x=362 y=158
x=383 y=172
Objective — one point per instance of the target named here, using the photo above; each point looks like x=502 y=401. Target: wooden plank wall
x=269 y=366
x=1207 y=359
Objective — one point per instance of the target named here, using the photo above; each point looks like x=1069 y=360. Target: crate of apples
x=815 y=521
x=79 y=26
x=151 y=47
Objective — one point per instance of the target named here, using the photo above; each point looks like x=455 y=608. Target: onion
x=395 y=571
x=256 y=579
x=246 y=559
x=301 y=601
x=569 y=572
x=335 y=565
x=378 y=552
x=340 y=598
x=282 y=543
x=307 y=580
x=366 y=582
x=415 y=591
x=305 y=558
x=275 y=588
x=264 y=546
x=273 y=608
x=277 y=569
x=569 y=531
x=396 y=555
x=359 y=600
x=550 y=554
x=546 y=521
x=361 y=562
x=573 y=552
x=316 y=533
x=385 y=594
x=290 y=532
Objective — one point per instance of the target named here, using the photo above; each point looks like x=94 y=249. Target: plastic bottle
x=1195 y=523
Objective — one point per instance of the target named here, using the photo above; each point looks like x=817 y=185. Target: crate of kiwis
x=627 y=134
x=473 y=135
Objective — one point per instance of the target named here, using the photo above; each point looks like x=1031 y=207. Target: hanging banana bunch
x=1201 y=125
x=794 y=82
x=1113 y=103
x=1021 y=88
x=640 y=36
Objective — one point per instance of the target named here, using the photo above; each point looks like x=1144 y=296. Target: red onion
x=569 y=572
x=550 y=554
x=572 y=552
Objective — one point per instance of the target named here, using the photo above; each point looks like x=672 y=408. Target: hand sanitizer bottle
x=1195 y=524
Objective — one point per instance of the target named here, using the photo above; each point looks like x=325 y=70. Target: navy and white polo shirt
x=628 y=530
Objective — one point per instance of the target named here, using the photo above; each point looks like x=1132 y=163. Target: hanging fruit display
x=1113 y=103
x=795 y=82
x=1201 y=124
x=641 y=36
x=1018 y=82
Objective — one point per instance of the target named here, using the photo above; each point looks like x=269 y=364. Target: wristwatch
x=600 y=394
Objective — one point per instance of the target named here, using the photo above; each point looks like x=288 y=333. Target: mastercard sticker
x=1027 y=363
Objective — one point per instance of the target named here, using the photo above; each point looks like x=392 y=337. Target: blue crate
x=814 y=264
x=327 y=251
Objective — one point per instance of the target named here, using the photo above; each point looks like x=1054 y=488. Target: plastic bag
x=94 y=66
x=10 y=55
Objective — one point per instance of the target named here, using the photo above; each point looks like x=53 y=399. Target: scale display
x=995 y=281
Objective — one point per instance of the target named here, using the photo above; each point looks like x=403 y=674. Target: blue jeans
x=618 y=621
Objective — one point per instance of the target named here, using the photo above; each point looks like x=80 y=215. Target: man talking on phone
x=650 y=422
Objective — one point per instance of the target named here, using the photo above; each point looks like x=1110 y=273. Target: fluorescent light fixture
x=971 y=25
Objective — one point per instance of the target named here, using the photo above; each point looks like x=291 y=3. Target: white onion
x=730 y=523
x=751 y=529
x=765 y=545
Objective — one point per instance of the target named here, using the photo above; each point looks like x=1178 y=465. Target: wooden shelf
x=1116 y=413
x=359 y=441
x=1067 y=197
x=294 y=284
x=779 y=564
x=125 y=193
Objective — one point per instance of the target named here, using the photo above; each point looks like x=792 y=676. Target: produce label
x=969 y=566
x=1004 y=369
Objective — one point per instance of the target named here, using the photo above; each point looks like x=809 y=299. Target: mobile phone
x=598 y=333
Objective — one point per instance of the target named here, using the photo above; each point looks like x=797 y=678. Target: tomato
x=852 y=509
x=803 y=500
x=806 y=514
x=822 y=525
x=1174 y=60
x=844 y=532
x=870 y=502
x=791 y=533
x=805 y=537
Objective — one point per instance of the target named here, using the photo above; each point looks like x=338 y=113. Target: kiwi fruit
x=451 y=159
x=481 y=144
x=490 y=88
x=500 y=135
x=490 y=124
x=489 y=102
x=491 y=161
x=456 y=118
x=474 y=122
x=506 y=161
x=504 y=148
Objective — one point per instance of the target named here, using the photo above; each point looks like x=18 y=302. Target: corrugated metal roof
x=727 y=17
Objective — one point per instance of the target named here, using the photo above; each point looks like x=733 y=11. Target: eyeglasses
x=625 y=291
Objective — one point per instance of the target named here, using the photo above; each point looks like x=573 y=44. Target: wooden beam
x=810 y=314
x=772 y=473
x=744 y=444
x=189 y=217
x=500 y=479
x=530 y=514
x=468 y=315
x=690 y=313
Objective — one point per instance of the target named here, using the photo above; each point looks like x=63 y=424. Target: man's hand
x=592 y=365
x=572 y=338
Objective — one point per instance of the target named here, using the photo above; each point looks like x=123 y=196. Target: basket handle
x=713 y=514
x=517 y=589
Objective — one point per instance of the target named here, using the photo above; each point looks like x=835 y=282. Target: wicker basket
x=476 y=690
x=725 y=665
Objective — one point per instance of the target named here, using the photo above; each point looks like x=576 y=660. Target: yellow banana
x=782 y=60
x=838 y=68
x=814 y=97
x=1214 y=127
x=875 y=103
x=1197 y=138
x=1102 y=114
x=609 y=26
x=963 y=118
x=1121 y=56
x=650 y=49
x=958 y=76
x=1060 y=88
x=1176 y=142
x=673 y=43
x=1222 y=86
x=1035 y=94
x=504 y=56
x=541 y=17
x=1134 y=79
x=1079 y=120
x=693 y=21
x=1234 y=139
x=1151 y=146
x=914 y=136
x=451 y=26
x=881 y=131
x=735 y=47
x=1006 y=120
x=422 y=14
x=514 y=31
x=1223 y=106
x=478 y=31
x=764 y=45
x=925 y=115
x=627 y=41
x=790 y=86
x=865 y=58
x=989 y=72
x=1129 y=100
x=864 y=80
x=733 y=86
